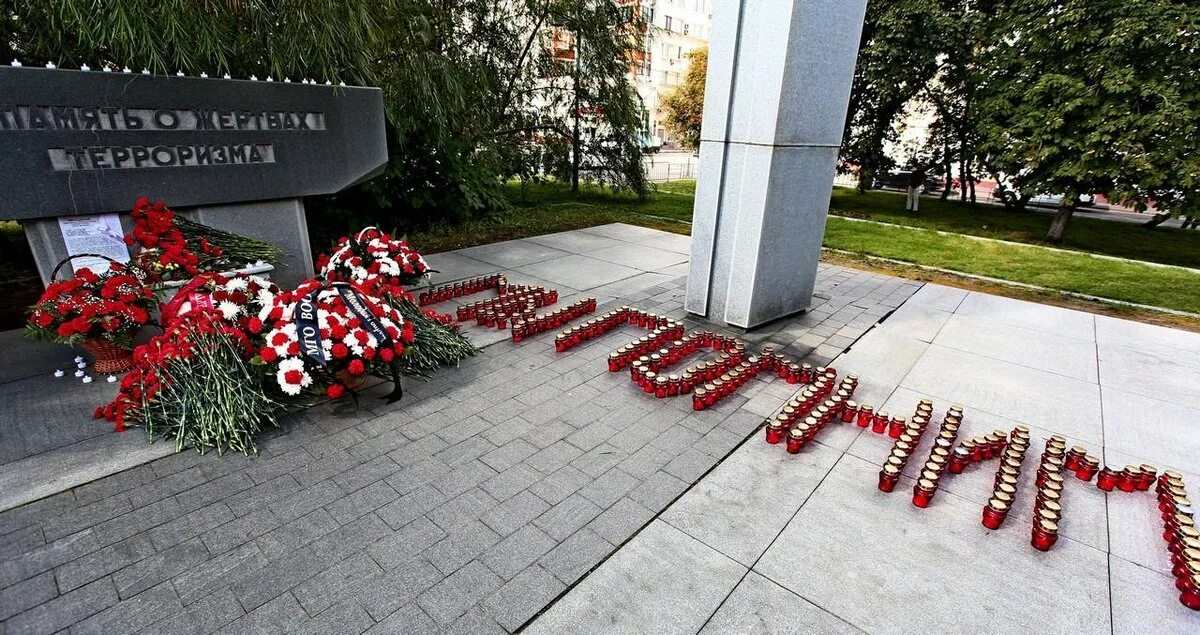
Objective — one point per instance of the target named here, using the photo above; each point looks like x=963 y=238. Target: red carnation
x=335 y=391
x=356 y=367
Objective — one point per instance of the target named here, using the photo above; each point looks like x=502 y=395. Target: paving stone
x=567 y=517
x=553 y=457
x=508 y=455
x=688 y=582
x=411 y=506
x=405 y=543
x=296 y=534
x=461 y=546
x=199 y=581
x=576 y=555
x=65 y=610
x=452 y=597
x=408 y=619
x=205 y=616
x=132 y=614
x=364 y=501
x=190 y=525
x=395 y=589
x=280 y=615
x=517 y=551
x=27 y=594
x=514 y=513
x=63 y=525
x=328 y=587
x=658 y=490
x=620 y=521
x=466 y=507
x=417 y=474
x=511 y=481
x=609 y=488
x=47 y=557
x=689 y=465
x=560 y=484
x=240 y=531
x=522 y=597
x=346 y=618
x=98 y=564
x=463 y=478
x=475 y=622
x=159 y=567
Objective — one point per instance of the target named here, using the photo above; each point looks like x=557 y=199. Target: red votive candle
x=1128 y=478
x=1087 y=467
x=1045 y=534
x=1107 y=479
x=888 y=477
x=849 y=412
x=1149 y=474
x=775 y=431
x=896 y=427
x=879 y=423
x=923 y=492
x=865 y=415
x=994 y=513
x=698 y=399
x=795 y=439
x=1190 y=595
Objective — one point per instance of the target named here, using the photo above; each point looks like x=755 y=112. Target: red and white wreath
x=347 y=346
x=375 y=261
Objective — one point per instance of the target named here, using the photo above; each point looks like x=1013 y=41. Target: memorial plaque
x=88 y=142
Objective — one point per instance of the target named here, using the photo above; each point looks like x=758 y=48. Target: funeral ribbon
x=308 y=330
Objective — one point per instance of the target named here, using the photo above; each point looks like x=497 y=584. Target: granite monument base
x=280 y=221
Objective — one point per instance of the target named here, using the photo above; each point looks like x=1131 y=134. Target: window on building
x=667 y=23
x=685 y=28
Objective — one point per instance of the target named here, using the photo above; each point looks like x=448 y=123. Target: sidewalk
x=772 y=542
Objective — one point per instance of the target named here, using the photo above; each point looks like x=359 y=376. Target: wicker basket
x=108 y=358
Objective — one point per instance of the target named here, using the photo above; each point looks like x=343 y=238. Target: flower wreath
x=239 y=299
x=325 y=337
x=374 y=261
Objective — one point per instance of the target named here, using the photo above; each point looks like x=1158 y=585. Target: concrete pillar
x=779 y=76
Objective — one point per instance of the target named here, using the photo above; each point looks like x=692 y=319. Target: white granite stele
x=778 y=83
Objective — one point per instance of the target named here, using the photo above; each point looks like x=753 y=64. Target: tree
x=897 y=57
x=1087 y=97
x=685 y=105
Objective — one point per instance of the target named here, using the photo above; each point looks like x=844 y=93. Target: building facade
x=674 y=29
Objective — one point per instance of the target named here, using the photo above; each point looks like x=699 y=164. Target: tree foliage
x=1067 y=97
x=1095 y=97
x=685 y=105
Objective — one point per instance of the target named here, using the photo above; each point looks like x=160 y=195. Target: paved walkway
x=467 y=507
x=771 y=542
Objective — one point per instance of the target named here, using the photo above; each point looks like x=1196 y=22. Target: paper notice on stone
x=99 y=234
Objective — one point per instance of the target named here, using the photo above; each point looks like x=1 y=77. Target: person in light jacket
x=916 y=181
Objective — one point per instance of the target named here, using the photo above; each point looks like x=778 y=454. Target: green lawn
x=546 y=208
x=1080 y=273
x=1126 y=240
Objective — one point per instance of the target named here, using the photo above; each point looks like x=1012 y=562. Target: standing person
x=916 y=182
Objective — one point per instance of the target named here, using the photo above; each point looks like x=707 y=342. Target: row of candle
x=979 y=448
x=643 y=346
x=730 y=349
x=1181 y=535
x=710 y=393
x=1047 y=507
x=939 y=455
x=1127 y=479
x=523 y=328
x=669 y=385
x=664 y=329
x=517 y=300
x=459 y=289
x=1008 y=472
x=904 y=445
x=830 y=409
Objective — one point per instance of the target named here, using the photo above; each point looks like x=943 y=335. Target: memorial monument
x=78 y=148
x=778 y=84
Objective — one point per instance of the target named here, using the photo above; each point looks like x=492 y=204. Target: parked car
x=651 y=144
x=1055 y=200
x=898 y=180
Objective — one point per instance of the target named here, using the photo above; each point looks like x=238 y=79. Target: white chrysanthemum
x=236 y=284
x=228 y=309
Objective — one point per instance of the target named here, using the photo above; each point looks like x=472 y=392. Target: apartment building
x=675 y=28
